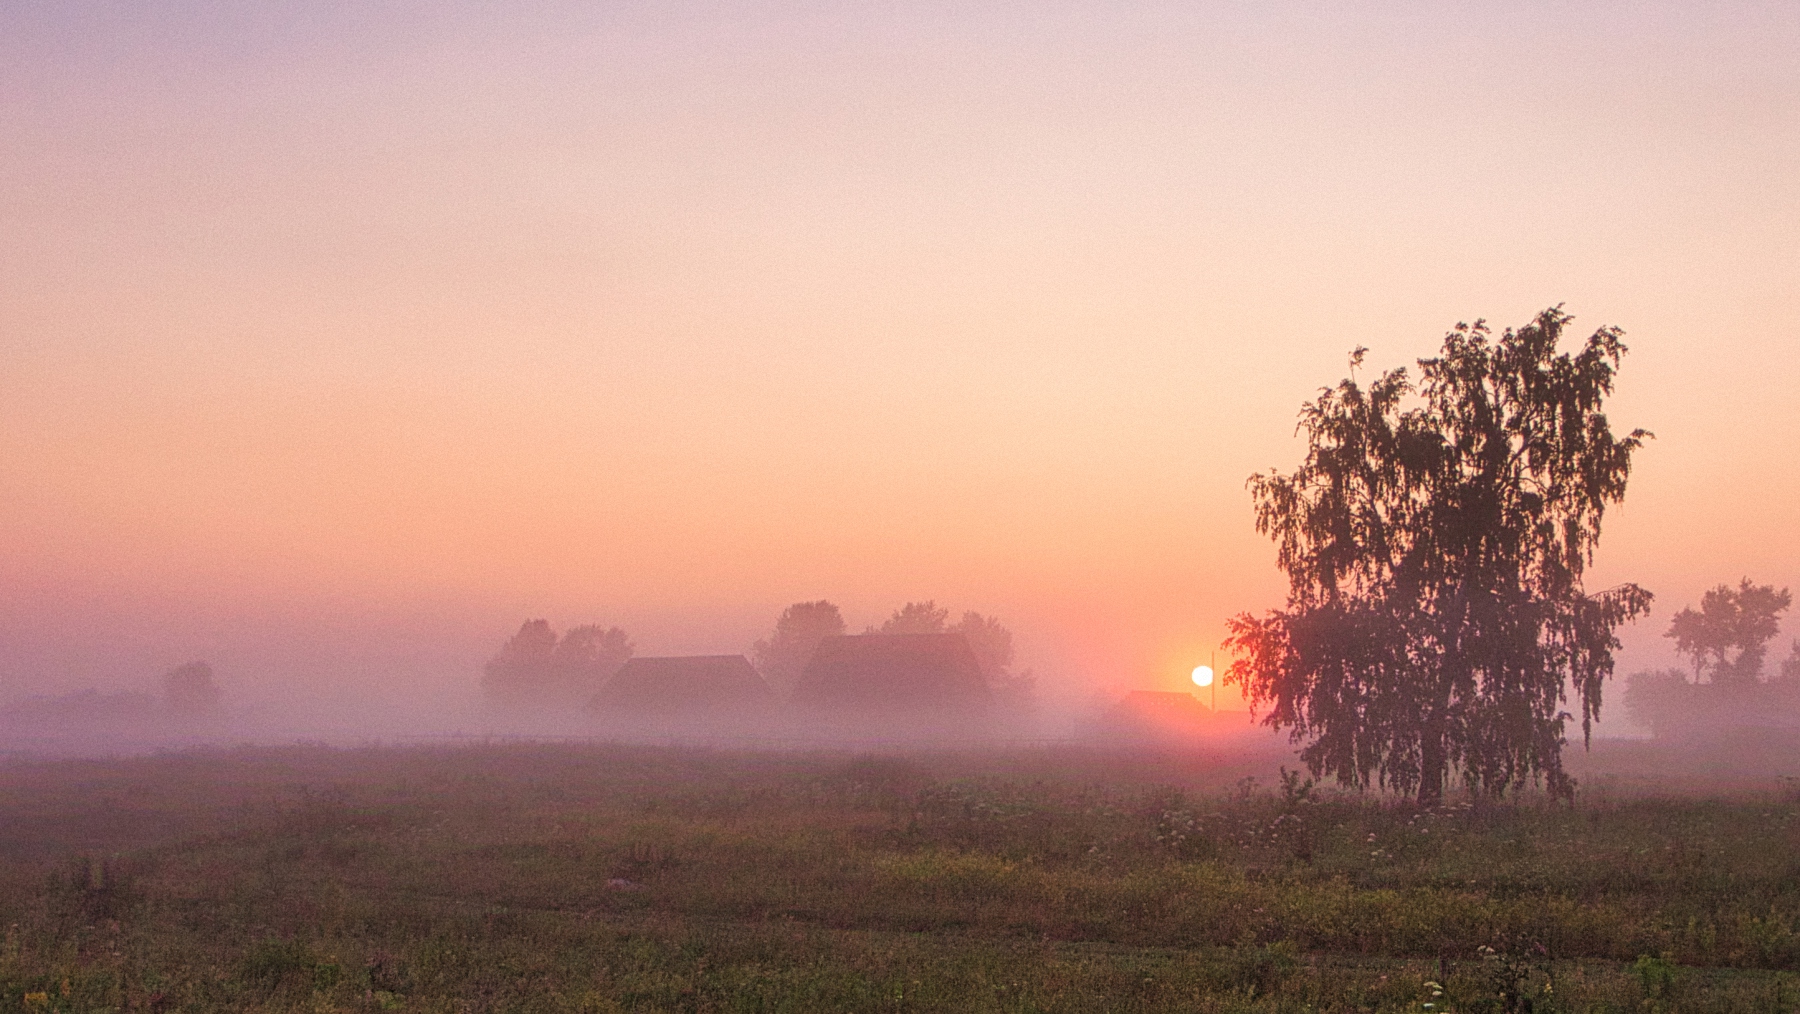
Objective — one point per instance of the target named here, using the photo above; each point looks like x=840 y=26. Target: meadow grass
x=612 y=878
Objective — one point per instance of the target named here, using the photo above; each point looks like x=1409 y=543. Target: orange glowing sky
x=387 y=330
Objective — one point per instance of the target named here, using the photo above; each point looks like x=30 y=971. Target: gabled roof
x=684 y=683
x=876 y=674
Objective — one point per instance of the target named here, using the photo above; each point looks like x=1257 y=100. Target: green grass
x=649 y=879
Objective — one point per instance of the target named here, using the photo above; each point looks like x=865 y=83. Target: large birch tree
x=1435 y=540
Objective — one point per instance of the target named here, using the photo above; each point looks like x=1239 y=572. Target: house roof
x=679 y=683
x=884 y=673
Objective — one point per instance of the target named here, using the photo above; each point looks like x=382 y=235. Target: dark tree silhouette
x=535 y=667
x=783 y=654
x=1727 y=640
x=988 y=638
x=917 y=618
x=190 y=689
x=588 y=655
x=993 y=647
x=522 y=667
x=1434 y=540
x=1665 y=701
x=1726 y=643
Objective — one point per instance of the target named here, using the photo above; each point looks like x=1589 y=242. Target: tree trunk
x=1431 y=767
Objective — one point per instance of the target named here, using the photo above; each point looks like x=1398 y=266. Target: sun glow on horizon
x=1203 y=675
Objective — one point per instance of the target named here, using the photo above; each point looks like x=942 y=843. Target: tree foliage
x=988 y=638
x=917 y=618
x=190 y=689
x=1728 y=639
x=535 y=667
x=1726 y=643
x=1435 y=540
x=784 y=653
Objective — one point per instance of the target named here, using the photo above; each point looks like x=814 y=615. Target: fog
x=81 y=684
x=91 y=678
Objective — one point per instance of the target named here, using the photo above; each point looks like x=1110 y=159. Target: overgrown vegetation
x=640 y=879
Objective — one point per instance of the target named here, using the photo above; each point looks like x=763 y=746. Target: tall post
x=1215 y=681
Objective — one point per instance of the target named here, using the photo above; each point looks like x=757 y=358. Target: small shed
x=680 y=685
x=886 y=676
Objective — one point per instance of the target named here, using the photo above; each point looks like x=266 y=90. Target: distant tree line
x=987 y=637
x=189 y=691
x=784 y=653
x=537 y=668
x=1726 y=684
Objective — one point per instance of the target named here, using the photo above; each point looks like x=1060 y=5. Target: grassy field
x=563 y=877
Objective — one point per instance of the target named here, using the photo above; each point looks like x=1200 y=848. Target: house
x=683 y=686
x=895 y=682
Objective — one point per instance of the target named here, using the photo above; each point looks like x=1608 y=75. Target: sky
x=336 y=339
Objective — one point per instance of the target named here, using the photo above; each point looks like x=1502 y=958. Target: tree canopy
x=1727 y=640
x=1435 y=539
x=1726 y=643
x=783 y=654
x=535 y=667
x=917 y=618
x=190 y=689
x=988 y=638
